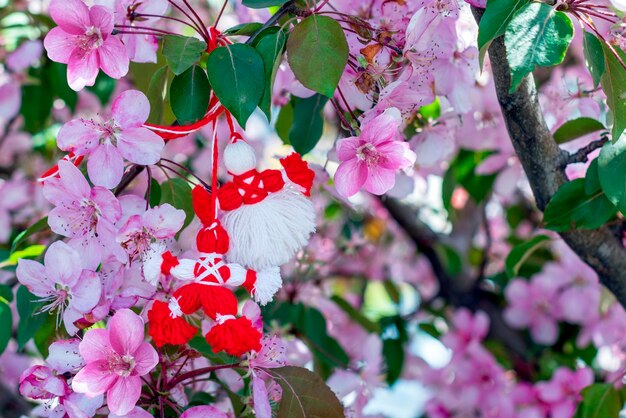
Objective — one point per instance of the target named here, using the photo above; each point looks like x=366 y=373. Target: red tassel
x=218 y=300
x=189 y=297
x=235 y=336
x=298 y=171
x=167 y=329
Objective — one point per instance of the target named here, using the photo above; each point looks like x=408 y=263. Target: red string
x=214 y=170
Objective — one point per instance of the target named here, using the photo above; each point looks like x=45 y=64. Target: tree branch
x=544 y=162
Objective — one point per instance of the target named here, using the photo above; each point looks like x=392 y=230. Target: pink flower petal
x=124 y=394
x=105 y=166
x=86 y=293
x=63 y=264
x=109 y=205
x=350 y=177
x=130 y=109
x=82 y=68
x=71 y=15
x=347 y=147
x=146 y=358
x=140 y=145
x=33 y=275
x=164 y=221
x=379 y=180
x=95 y=346
x=64 y=356
x=59 y=45
x=204 y=411
x=382 y=127
x=94 y=379
x=113 y=58
x=262 y=408
x=79 y=136
x=126 y=332
x=102 y=18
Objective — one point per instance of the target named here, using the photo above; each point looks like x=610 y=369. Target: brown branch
x=544 y=162
x=582 y=155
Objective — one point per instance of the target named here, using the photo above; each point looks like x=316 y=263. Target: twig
x=582 y=154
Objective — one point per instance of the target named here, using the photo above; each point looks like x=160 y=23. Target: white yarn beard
x=270 y=232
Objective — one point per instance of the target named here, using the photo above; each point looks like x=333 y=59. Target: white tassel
x=270 y=232
x=268 y=281
x=184 y=270
x=239 y=158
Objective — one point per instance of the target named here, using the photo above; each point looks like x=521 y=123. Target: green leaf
x=305 y=394
x=30 y=319
x=200 y=344
x=317 y=52
x=520 y=253
x=57 y=76
x=284 y=122
x=244 y=29
x=237 y=76
x=181 y=52
x=356 y=315
x=594 y=57
x=308 y=123
x=613 y=82
x=6 y=325
x=592 y=178
x=6 y=293
x=494 y=22
x=23 y=236
x=157 y=91
x=600 y=400
x=262 y=4
x=32 y=251
x=537 y=35
x=177 y=193
x=571 y=208
x=394 y=337
x=155 y=192
x=103 y=88
x=612 y=172
x=37 y=101
x=189 y=95
x=576 y=128
x=270 y=48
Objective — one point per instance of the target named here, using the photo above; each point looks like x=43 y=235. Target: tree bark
x=544 y=163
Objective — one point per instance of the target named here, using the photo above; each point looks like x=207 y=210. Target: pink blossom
x=110 y=141
x=64 y=356
x=86 y=215
x=62 y=283
x=40 y=382
x=116 y=359
x=83 y=41
x=468 y=329
x=26 y=55
x=562 y=392
x=10 y=100
x=140 y=48
x=372 y=159
x=533 y=304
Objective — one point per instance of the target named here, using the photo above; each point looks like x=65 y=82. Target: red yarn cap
x=213 y=239
x=298 y=171
x=235 y=336
x=165 y=329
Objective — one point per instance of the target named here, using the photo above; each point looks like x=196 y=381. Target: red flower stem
x=319 y=7
x=584 y=19
x=206 y=32
x=173 y=19
x=219 y=16
x=199 y=372
x=177 y=173
x=148 y=189
x=186 y=170
x=144 y=28
x=204 y=35
x=343 y=98
x=343 y=119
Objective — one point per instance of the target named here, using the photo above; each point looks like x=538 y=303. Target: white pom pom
x=270 y=232
x=268 y=281
x=239 y=158
x=184 y=270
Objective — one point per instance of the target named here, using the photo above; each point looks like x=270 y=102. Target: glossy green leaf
x=270 y=48
x=394 y=337
x=576 y=128
x=177 y=193
x=30 y=318
x=262 y=4
x=157 y=90
x=189 y=95
x=521 y=252
x=304 y=394
x=284 y=121
x=494 y=22
x=613 y=82
x=571 y=208
x=23 y=236
x=244 y=29
x=237 y=76
x=594 y=57
x=181 y=52
x=32 y=251
x=612 y=172
x=600 y=400
x=6 y=325
x=308 y=123
x=538 y=35
x=592 y=178
x=355 y=314
x=316 y=43
x=103 y=87
x=155 y=193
